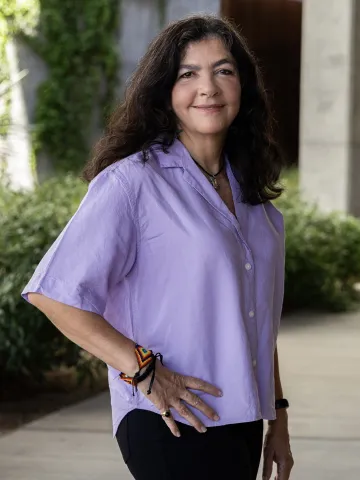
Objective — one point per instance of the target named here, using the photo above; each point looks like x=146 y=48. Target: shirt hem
x=208 y=424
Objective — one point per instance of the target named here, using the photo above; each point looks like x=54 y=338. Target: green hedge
x=322 y=257
x=29 y=224
x=322 y=266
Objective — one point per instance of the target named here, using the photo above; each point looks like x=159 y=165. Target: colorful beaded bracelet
x=146 y=359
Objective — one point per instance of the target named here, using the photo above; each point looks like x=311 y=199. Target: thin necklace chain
x=212 y=177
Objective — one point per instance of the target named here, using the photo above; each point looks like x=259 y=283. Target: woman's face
x=206 y=94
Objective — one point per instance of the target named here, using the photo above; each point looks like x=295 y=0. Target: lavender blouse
x=155 y=251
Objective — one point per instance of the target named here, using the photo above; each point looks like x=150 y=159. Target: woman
x=171 y=271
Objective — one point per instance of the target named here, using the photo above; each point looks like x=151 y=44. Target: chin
x=213 y=134
x=212 y=128
x=211 y=131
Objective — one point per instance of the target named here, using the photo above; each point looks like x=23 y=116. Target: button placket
x=249 y=267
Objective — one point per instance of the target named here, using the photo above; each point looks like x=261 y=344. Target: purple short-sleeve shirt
x=155 y=251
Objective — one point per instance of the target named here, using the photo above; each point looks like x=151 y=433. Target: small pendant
x=214 y=183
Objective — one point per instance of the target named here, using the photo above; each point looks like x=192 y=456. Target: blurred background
x=64 y=64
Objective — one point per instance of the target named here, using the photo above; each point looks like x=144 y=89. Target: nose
x=208 y=87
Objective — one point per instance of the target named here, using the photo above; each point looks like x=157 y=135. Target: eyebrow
x=223 y=61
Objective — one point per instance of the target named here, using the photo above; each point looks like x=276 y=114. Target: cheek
x=235 y=92
x=234 y=97
x=180 y=98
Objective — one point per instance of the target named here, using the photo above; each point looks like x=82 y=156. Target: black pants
x=151 y=452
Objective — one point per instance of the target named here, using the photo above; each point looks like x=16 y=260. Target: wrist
x=146 y=365
x=131 y=365
x=281 y=418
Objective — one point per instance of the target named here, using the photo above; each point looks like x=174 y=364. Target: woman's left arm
x=277 y=442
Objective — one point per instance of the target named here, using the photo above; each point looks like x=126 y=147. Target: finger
x=281 y=473
x=284 y=469
x=170 y=422
x=268 y=464
x=183 y=410
x=196 y=402
x=197 y=384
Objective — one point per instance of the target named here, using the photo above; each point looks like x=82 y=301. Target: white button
x=254 y=363
x=248 y=266
x=251 y=313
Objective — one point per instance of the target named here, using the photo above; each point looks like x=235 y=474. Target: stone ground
x=320 y=363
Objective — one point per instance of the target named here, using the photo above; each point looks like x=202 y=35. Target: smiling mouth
x=209 y=107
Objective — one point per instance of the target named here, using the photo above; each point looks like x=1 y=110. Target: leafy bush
x=322 y=266
x=29 y=224
x=322 y=257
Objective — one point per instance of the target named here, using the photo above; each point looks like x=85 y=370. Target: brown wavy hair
x=145 y=116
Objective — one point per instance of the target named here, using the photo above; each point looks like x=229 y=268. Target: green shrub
x=29 y=224
x=322 y=257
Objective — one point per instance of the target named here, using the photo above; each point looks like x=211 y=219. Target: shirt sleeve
x=94 y=252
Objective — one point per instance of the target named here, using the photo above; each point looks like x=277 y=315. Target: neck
x=206 y=150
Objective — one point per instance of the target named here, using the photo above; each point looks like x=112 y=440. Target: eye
x=225 y=71
x=187 y=75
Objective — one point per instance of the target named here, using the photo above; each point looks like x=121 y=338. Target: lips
x=209 y=107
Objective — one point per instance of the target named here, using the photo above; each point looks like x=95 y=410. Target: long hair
x=145 y=117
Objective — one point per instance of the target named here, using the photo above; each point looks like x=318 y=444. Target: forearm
x=278 y=387
x=281 y=413
x=91 y=332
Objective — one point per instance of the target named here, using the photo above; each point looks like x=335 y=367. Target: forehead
x=212 y=47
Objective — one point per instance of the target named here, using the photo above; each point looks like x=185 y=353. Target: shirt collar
x=177 y=156
x=174 y=156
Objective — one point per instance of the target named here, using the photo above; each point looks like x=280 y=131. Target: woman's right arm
x=91 y=332
x=94 y=334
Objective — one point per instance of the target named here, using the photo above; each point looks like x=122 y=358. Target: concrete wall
x=180 y=8
x=23 y=101
x=330 y=95
x=140 y=22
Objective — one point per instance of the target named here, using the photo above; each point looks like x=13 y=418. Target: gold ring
x=166 y=414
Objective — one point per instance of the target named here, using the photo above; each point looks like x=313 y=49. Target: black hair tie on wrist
x=138 y=378
x=146 y=359
x=160 y=357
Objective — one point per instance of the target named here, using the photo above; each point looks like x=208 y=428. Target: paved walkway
x=320 y=361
